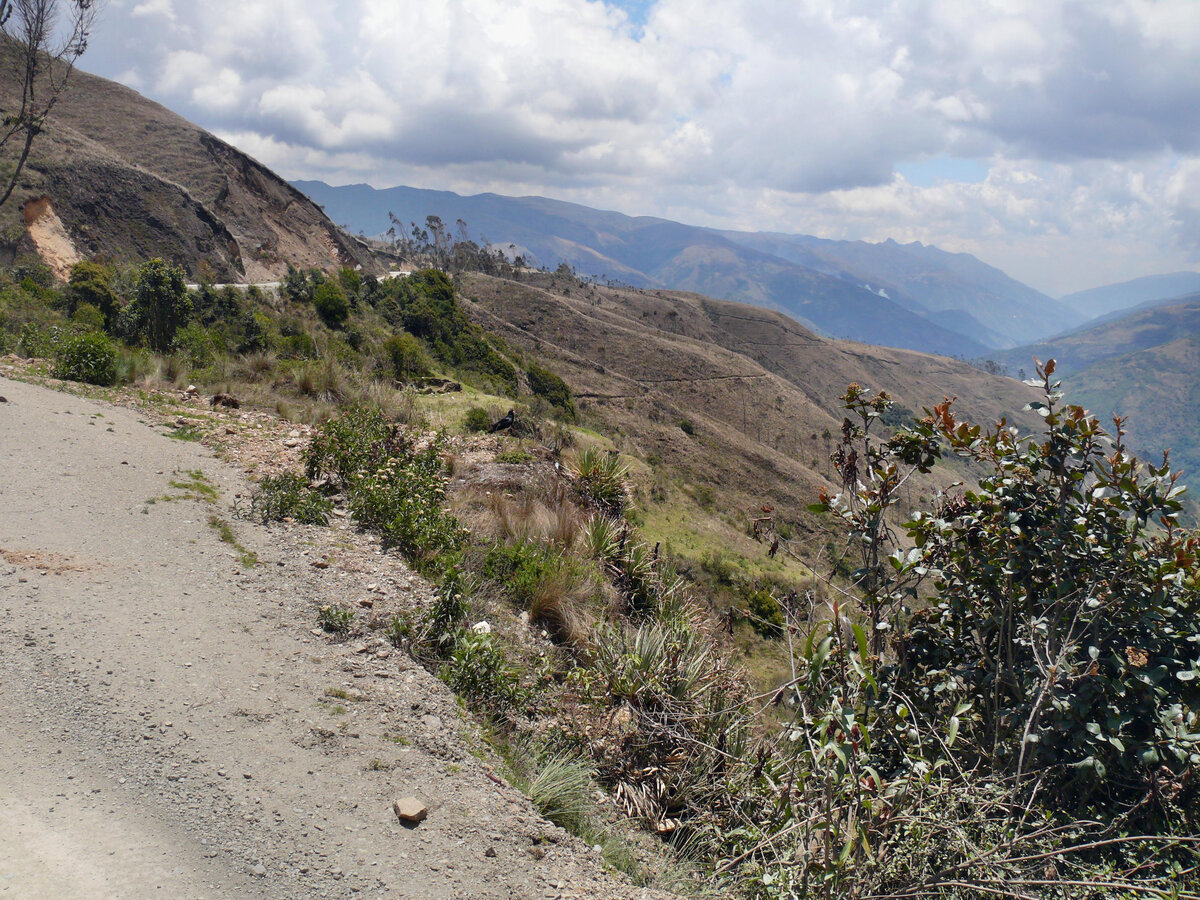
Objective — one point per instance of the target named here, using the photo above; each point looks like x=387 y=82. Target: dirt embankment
x=169 y=724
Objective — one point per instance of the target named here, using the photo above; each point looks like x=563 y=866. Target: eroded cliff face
x=126 y=179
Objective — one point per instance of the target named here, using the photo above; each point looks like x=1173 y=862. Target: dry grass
x=553 y=520
x=559 y=602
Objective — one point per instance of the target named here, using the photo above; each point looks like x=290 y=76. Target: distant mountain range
x=900 y=295
x=1115 y=298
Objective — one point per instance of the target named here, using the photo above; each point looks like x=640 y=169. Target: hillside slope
x=904 y=297
x=118 y=176
x=1145 y=365
x=759 y=389
x=1095 y=344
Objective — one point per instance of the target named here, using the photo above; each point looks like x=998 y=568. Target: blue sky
x=1057 y=139
x=637 y=10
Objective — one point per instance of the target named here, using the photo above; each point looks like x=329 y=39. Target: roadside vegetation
x=992 y=696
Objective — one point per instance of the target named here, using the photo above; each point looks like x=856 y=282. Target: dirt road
x=170 y=727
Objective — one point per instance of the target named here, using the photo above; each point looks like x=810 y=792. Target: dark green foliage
x=1068 y=620
x=197 y=344
x=212 y=306
x=686 y=426
x=477 y=419
x=38 y=343
x=90 y=357
x=297 y=346
x=408 y=358
x=288 y=496
x=765 y=613
x=519 y=567
x=424 y=305
x=298 y=284
x=91 y=283
x=331 y=304
x=350 y=280
x=355 y=442
x=1066 y=607
x=87 y=318
x=476 y=667
x=160 y=306
x=254 y=332
x=33 y=275
x=551 y=388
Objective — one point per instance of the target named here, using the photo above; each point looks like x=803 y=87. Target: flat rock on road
x=166 y=727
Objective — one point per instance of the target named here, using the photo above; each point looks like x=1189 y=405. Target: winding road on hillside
x=170 y=726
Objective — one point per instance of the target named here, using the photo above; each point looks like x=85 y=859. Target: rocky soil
x=171 y=722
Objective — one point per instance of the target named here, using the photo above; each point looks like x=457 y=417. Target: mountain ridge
x=1100 y=302
x=118 y=176
x=823 y=290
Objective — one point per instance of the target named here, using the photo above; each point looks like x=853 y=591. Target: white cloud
x=783 y=115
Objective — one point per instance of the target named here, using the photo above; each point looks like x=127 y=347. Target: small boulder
x=410 y=810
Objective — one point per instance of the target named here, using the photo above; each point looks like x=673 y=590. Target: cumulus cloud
x=782 y=115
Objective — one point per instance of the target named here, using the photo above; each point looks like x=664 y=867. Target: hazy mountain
x=907 y=296
x=975 y=298
x=1146 y=365
x=1110 y=298
x=118 y=176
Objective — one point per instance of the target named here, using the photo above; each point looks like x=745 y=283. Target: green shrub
x=91 y=284
x=551 y=585
x=297 y=346
x=288 y=496
x=424 y=305
x=394 y=488
x=766 y=615
x=350 y=280
x=37 y=342
x=197 y=345
x=518 y=567
x=87 y=318
x=335 y=619
x=408 y=358
x=329 y=300
x=90 y=357
x=686 y=426
x=477 y=669
x=477 y=420
x=355 y=442
x=551 y=388
x=161 y=304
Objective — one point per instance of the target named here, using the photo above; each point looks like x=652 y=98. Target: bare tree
x=42 y=40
